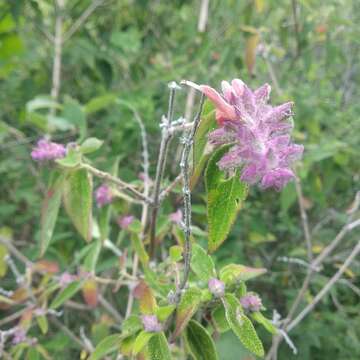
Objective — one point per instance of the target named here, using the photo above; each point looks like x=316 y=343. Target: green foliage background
x=130 y=49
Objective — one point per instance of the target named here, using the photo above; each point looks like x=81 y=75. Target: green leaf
x=176 y=253
x=200 y=153
x=202 y=264
x=189 y=304
x=99 y=103
x=106 y=346
x=266 y=323
x=140 y=249
x=3 y=262
x=163 y=312
x=90 y=145
x=142 y=340
x=78 y=201
x=71 y=160
x=159 y=348
x=233 y=273
x=219 y=317
x=131 y=325
x=241 y=325
x=224 y=200
x=50 y=209
x=200 y=343
x=92 y=256
x=41 y=102
x=75 y=114
x=66 y=294
x=43 y=323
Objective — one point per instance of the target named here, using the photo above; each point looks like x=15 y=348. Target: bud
x=151 y=323
x=47 y=150
x=176 y=217
x=216 y=287
x=103 y=195
x=125 y=221
x=251 y=302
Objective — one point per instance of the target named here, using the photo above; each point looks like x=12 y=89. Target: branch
x=326 y=288
x=184 y=165
x=81 y=20
x=164 y=146
x=122 y=184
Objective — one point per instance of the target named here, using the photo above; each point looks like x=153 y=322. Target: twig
x=110 y=309
x=81 y=20
x=122 y=184
x=326 y=288
x=15 y=252
x=70 y=334
x=304 y=218
x=56 y=73
x=184 y=165
x=168 y=189
x=203 y=16
x=164 y=145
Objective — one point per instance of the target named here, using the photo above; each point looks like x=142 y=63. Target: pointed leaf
x=224 y=199
x=159 y=348
x=50 y=210
x=200 y=343
x=145 y=295
x=202 y=264
x=242 y=326
x=78 y=201
x=189 y=304
x=140 y=249
x=266 y=323
x=106 y=346
x=43 y=324
x=233 y=273
x=66 y=294
x=90 y=145
x=219 y=318
x=90 y=292
x=250 y=52
x=142 y=340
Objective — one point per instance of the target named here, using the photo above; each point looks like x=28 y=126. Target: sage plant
x=174 y=300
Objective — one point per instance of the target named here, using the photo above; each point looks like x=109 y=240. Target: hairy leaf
x=202 y=264
x=159 y=348
x=224 y=200
x=108 y=345
x=233 y=273
x=66 y=294
x=200 y=343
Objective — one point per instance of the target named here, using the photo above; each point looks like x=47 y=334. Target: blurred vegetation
x=308 y=50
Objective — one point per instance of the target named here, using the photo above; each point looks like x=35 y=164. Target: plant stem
x=122 y=184
x=184 y=165
x=164 y=146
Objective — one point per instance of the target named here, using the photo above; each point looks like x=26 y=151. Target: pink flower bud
x=103 y=195
x=125 y=221
x=216 y=287
x=251 y=302
x=151 y=323
x=47 y=150
x=176 y=217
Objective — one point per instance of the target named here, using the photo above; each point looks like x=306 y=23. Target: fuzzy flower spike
x=258 y=132
x=47 y=150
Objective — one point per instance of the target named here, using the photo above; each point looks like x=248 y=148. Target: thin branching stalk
x=164 y=146
x=184 y=165
x=115 y=180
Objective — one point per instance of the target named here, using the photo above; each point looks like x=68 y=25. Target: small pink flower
x=251 y=302
x=66 y=279
x=125 y=221
x=19 y=336
x=47 y=150
x=103 y=195
x=176 y=217
x=216 y=287
x=151 y=323
x=259 y=134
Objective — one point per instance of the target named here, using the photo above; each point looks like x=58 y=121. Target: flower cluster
x=216 y=287
x=251 y=302
x=151 y=323
x=259 y=134
x=48 y=150
x=125 y=221
x=103 y=195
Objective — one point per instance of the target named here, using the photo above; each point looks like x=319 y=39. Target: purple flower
x=47 y=150
x=176 y=217
x=259 y=134
x=66 y=279
x=19 y=336
x=103 y=195
x=251 y=302
x=125 y=221
x=216 y=287
x=151 y=323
